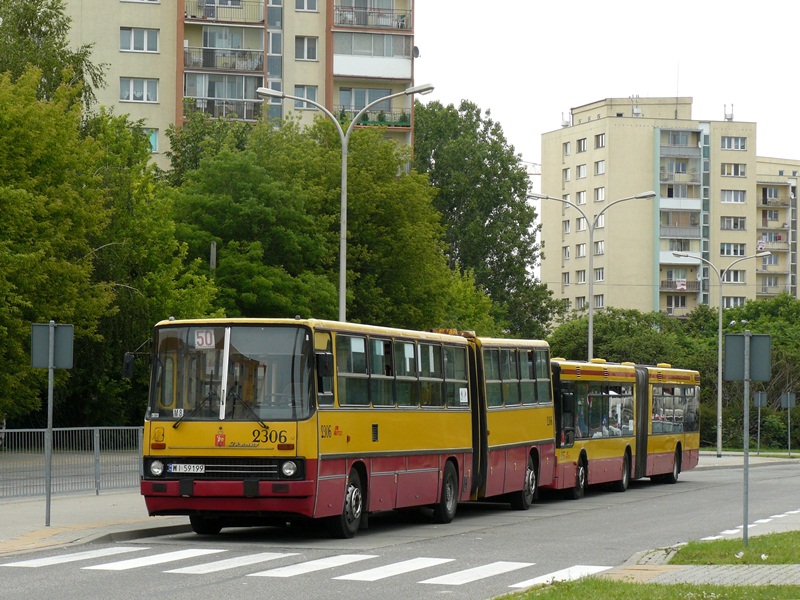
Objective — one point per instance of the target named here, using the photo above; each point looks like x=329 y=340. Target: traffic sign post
x=51 y=348
x=788 y=402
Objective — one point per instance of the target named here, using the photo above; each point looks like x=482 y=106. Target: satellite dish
x=416 y=52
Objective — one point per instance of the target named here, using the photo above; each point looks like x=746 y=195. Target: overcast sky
x=530 y=61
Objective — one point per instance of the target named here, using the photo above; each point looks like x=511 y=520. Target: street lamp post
x=344 y=136
x=590 y=250
x=720 y=275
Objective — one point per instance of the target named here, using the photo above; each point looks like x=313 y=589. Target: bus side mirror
x=127 y=365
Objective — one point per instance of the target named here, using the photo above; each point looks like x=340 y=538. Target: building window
x=567 y=148
x=599 y=248
x=565 y=252
x=599 y=194
x=734 y=143
x=599 y=167
x=582 y=145
x=769 y=193
x=152 y=135
x=566 y=225
x=305 y=5
x=599 y=301
x=580 y=197
x=138 y=90
x=580 y=171
x=600 y=274
x=733 y=223
x=580 y=276
x=735 y=276
x=372 y=44
x=354 y=99
x=678 y=190
x=734 y=196
x=678 y=138
x=732 y=250
x=599 y=221
x=580 y=250
x=565 y=174
x=679 y=245
x=580 y=302
x=580 y=224
x=677 y=166
x=138 y=40
x=733 y=301
x=771 y=259
x=565 y=278
x=600 y=140
x=305 y=48
x=734 y=170
x=305 y=91
x=675 y=302
x=771 y=215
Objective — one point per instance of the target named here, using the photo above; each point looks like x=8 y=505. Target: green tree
x=35 y=33
x=490 y=224
x=53 y=205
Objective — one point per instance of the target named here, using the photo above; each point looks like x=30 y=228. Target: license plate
x=187 y=468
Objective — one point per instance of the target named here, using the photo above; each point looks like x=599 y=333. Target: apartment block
x=716 y=204
x=168 y=58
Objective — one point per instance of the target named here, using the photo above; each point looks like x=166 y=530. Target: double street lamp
x=591 y=226
x=720 y=275
x=344 y=135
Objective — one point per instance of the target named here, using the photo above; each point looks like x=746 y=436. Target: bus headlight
x=289 y=468
x=156 y=468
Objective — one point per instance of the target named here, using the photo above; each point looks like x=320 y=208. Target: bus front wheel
x=445 y=510
x=346 y=524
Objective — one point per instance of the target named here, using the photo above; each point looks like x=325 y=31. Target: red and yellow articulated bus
x=261 y=421
x=617 y=422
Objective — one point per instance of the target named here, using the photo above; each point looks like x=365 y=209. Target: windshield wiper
x=209 y=397
x=234 y=396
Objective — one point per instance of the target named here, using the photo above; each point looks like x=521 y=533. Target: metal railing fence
x=83 y=458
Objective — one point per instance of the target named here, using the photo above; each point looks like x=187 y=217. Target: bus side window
x=381 y=381
x=544 y=391
x=323 y=347
x=455 y=360
x=351 y=360
x=406 y=382
x=491 y=365
x=510 y=374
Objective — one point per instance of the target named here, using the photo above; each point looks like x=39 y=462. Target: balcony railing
x=773 y=246
x=773 y=202
x=224 y=59
x=349 y=16
x=677 y=312
x=248 y=110
x=772 y=290
x=686 y=232
x=670 y=177
x=680 y=285
x=225 y=11
x=392 y=118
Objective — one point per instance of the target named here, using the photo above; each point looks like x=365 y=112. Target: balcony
x=681 y=233
x=224 y=59
x=670 y=177
x=392 y=118
x=247 y=110
x=772 y=290
x=225 y=11
x=773 y=246
x=680 y=285
x=348 y=16
x=677 y=312
x=773 y=201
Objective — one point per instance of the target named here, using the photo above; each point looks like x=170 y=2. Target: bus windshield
x=231 y=372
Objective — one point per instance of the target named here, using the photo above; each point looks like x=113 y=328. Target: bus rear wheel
x=676 y=468
x=445 y=510
x=523 y=499
x=622 y=484
x=346 y=525
x=578 y=491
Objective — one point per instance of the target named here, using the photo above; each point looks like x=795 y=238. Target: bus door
x=480 y=440
x=642 y=410
x=564 y=405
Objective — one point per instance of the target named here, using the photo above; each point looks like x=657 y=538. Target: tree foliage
x=483 y=197
x=35 y=33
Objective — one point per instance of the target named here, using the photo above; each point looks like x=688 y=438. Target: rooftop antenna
x=677 y=88
x=728 y=115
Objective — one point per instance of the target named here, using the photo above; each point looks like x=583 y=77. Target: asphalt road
x=486 y=551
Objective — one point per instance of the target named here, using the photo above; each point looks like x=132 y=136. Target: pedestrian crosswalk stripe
x=569 y=574
x=399 y=568
x=231 y=563
x=77 y=556
x=156 y=559
x=313 y=565
x=470 y=575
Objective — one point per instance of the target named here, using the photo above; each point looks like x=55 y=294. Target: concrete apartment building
x=715 y=200
x=167 y=58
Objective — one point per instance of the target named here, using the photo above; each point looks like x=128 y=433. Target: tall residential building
x=168 y=58
x=716 y=200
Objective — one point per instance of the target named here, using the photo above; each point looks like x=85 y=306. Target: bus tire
x=622 y=484
x=445 y=510
x=205 y=525
x=523 y=499
x=345 y=525
x=676 y=468
x=577 y=492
